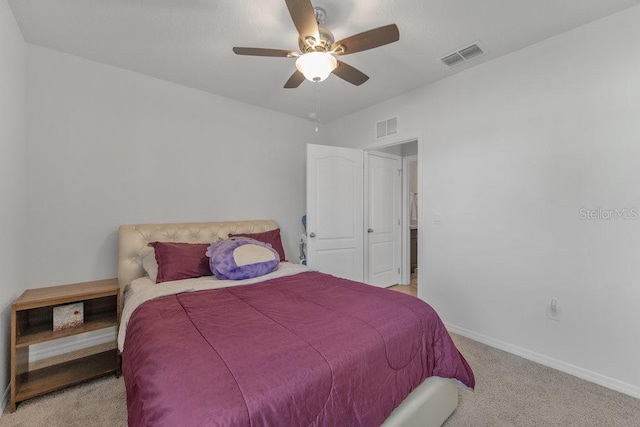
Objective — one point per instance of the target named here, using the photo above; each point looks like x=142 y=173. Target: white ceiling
x=189 y=41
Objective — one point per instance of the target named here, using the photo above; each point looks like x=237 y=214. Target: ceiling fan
x=318 y=50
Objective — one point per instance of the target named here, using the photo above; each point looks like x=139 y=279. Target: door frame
x=406 y=219
x=405 y=256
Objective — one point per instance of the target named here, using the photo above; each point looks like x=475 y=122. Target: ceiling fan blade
x=304 y=18
x=257 y=51
x=350 y=74
x=368 y=40
x=295 y=80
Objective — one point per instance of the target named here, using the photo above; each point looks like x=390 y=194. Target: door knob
x=312 y=234
x=369 y=230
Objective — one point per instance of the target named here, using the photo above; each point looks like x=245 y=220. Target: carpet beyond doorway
x=411 y=288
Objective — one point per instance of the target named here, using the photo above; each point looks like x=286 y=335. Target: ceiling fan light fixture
x=316 y=66
x=318 y=48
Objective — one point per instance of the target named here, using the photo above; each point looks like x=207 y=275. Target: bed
x=292 y=347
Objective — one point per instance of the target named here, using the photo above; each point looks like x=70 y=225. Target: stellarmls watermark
x=609 y=214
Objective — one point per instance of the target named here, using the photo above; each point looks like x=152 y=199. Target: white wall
x=511 y=151
x=13 y=72
x=109 y=147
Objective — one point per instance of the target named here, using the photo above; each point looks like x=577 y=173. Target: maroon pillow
x=271 y=237
x=178 y=261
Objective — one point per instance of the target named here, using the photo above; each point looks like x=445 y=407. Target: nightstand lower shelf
x=51 y=378
x=32 y=322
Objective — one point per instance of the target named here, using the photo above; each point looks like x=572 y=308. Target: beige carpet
x=97 y=403
x=511 y=391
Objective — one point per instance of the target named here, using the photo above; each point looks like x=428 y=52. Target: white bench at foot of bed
x=429 y=405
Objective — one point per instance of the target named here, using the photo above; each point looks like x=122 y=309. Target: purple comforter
x=303 y=350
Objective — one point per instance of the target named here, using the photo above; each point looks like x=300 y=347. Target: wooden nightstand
x=32 y=323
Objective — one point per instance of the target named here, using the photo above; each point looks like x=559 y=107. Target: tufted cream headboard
x=134 y=239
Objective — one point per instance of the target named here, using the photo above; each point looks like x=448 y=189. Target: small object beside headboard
x=133 y=240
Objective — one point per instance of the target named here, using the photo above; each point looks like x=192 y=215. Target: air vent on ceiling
x=464 y=54
x=387 y=127
x=452 y=59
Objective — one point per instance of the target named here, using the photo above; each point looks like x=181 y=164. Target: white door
x=335 y=211
x=384 y=207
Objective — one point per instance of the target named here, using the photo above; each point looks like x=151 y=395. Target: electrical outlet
x=553 y=310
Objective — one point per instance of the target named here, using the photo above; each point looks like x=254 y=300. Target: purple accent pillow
x=239 y=258
x=177 y=261
x=271 y=237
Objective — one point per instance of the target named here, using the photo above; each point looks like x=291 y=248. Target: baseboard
x=5 y=399
x=594 y=377
x=77 y=342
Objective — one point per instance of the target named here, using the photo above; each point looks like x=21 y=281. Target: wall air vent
x=464 y=54
x=387 y=127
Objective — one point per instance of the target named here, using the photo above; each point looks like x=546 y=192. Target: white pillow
x=150 y=264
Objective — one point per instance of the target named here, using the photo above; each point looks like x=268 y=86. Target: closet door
x=335 y=211
x=384 y=207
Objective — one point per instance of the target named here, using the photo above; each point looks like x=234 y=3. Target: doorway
x=336 y=224
x=409 y=251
